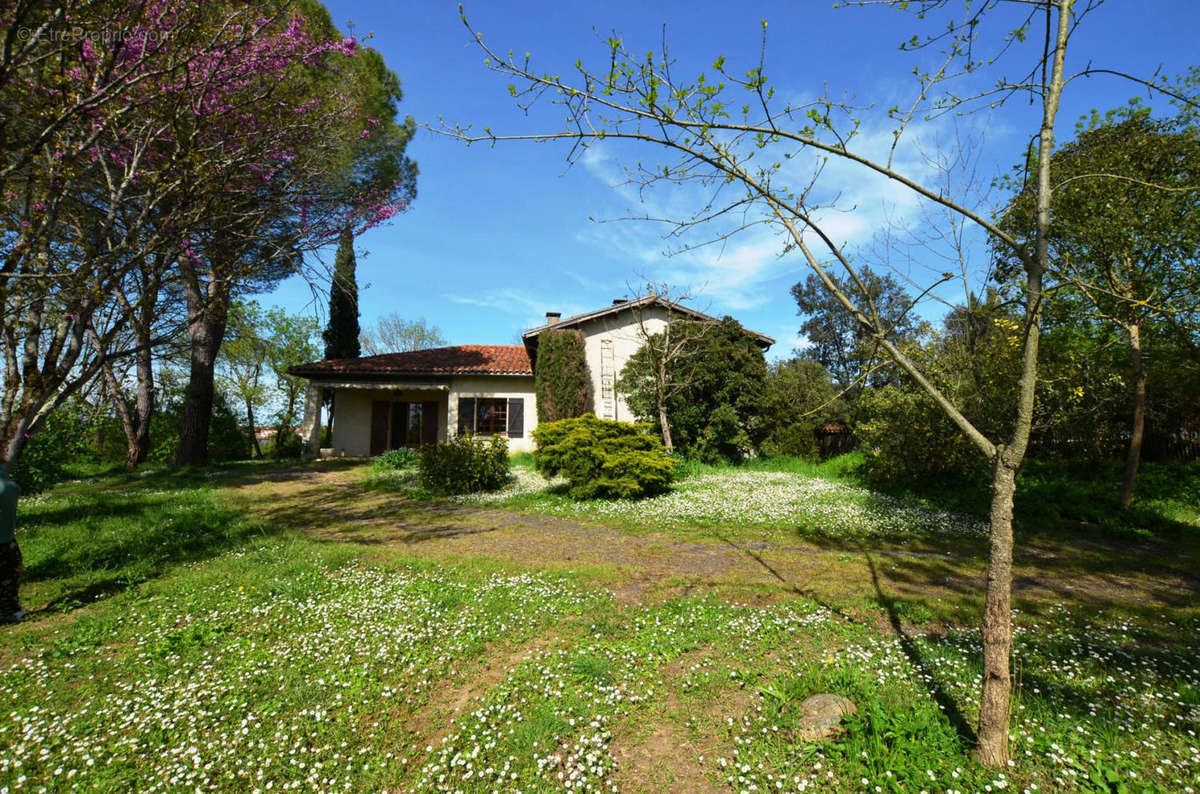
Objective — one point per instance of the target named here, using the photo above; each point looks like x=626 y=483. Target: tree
x=341 y=335
x=322 y=153
x=292 y=340
x=244 y=356
x=1125 y=235
x=560 y=378
x=394 y=334
x=733 y=134
x=657 y=375
x=86 y=181
x=798 y=398
x=716 y=384
x=838 y=341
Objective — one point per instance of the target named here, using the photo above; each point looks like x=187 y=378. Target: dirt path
x=334 y=504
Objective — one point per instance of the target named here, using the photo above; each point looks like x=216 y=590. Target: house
x=407 y=399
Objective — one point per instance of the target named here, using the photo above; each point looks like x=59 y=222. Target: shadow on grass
x=948 y=705
x=81 y=544
x=932 y=685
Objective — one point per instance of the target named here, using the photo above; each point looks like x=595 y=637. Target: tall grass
x=843 y=468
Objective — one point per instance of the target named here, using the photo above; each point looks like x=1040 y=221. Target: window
x=491 y=417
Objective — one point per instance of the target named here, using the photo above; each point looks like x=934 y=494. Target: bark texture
x=208 y=309
x=994 y=708
x=1137 y=429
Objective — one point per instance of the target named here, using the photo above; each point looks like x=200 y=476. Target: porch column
x=311 y=429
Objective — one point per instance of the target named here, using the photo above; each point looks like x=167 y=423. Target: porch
x=370 y=419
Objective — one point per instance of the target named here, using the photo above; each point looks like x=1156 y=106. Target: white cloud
x=529 y=308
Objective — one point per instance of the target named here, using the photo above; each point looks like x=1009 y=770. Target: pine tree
x=341 y=335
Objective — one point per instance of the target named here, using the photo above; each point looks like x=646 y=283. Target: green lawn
x=185 y=640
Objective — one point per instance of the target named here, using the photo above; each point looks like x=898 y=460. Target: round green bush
x=604 y=459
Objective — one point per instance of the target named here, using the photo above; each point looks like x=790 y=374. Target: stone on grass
x=821 y=716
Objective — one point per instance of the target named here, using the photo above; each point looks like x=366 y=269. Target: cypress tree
x=561 y=380
x=341 y=335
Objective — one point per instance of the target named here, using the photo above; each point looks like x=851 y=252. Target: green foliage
x=342 y=333
x=395 y=459
x=226 y=438
x=464 y=464
x=286 y=443
x=561 y=380
x=907 y=438
x=798 y=398
x=717 y=388
x=61 y=438
x=603 y=459
x=838 y=341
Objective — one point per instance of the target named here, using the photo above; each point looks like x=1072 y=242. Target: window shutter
x=516 y=417
x=429 y=422
x=466 y=415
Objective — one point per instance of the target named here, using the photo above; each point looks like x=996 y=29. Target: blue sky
x=499 y=236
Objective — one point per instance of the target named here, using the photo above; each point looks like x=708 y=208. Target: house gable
x=612 y=335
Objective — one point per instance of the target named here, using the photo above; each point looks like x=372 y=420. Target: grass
x=786 y=496
x=238 y=654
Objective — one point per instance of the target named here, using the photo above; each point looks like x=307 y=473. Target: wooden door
x=379 y=426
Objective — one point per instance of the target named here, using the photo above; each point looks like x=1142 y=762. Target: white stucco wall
x=625 y=332
x=497 y=386
x=352 y=409
x=352 y=415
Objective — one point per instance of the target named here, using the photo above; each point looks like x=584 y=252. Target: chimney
x=553 y=317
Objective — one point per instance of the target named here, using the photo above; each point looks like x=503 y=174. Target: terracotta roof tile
x=456 y=360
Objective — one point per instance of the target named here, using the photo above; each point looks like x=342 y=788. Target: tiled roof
x=456 y=360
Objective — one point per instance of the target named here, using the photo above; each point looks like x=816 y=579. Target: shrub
x=561 y=380
x=714 y=381
x=798 y=398
x=396 y=459
x=60 y=439
x=287 y=443
x=602 y=458
x=464 y=464
x=908 y=440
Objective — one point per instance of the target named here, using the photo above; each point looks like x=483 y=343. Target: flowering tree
x=198 y=144
x=731 y=133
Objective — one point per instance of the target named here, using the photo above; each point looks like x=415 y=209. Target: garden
x=278 y=655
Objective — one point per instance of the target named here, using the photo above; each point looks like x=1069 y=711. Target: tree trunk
x=208 y=309
x=253 y=429
x=128 y=422
x=139 y=446
x=206 y=335
x=13 y=443
x=666 y=426
x=992 y=748
x=1137 y=431
x=661 y=392
x=995 y=700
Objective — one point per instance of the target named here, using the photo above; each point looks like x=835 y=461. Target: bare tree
x=395 y=334
x=665 y=341
x=733 y=135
